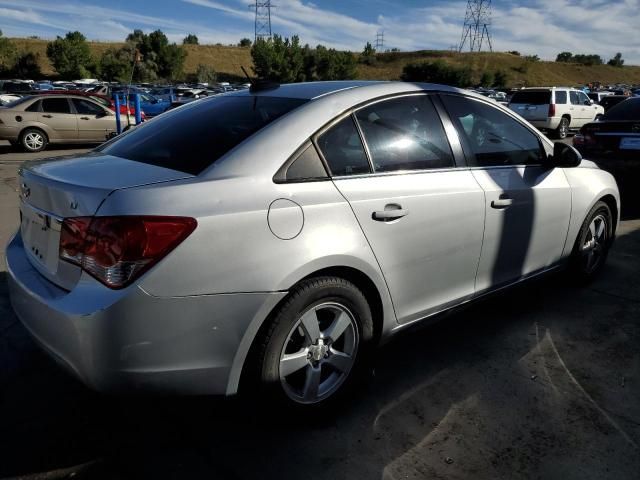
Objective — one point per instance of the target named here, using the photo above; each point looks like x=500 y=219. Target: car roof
x=313 y=90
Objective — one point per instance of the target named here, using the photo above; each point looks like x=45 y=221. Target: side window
x=55 y=105
x=85 y=107
x=584 y=100
x=34 y=107
x=494 y=137
x=342 y=149
x=575 y=99
x=306 y=166
x=561 y=97
x=405 y=134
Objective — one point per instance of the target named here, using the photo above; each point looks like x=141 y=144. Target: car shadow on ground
x=527 y=384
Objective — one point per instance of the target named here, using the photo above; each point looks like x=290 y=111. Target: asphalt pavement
x=542 y=381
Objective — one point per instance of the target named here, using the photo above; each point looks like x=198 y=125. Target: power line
x=263 y=19
x=475 y=30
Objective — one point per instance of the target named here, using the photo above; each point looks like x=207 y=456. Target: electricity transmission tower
x=380 y=41
x=263 y=19
x=477 y=20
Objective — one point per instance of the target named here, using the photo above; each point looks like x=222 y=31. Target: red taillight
x=117 y=250
x=552 y=109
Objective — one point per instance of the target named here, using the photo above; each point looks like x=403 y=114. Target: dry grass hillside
x=228 y=60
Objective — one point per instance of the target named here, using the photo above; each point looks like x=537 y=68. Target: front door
x=57 y=114
x=422 y=217
x=95 y=123
x=528 y=204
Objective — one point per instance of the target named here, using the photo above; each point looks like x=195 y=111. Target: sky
x=541 y=27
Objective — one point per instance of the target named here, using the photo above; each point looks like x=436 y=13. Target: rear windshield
x=193 y=137
x=626 y=110
x=532 y=98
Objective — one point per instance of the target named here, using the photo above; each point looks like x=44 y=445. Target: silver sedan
x=269 y=238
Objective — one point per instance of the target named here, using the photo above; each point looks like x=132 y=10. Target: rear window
x=626 y=110
x=532 y=98
x=192 y=138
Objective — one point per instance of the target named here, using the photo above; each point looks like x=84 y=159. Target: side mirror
x=565 y=156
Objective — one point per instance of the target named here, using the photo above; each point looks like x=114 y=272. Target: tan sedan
x=36 y=121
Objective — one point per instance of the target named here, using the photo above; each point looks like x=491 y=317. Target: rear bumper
x=128 y=340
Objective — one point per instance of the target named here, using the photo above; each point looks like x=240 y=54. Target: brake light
x=552 y=109
x=117 y=250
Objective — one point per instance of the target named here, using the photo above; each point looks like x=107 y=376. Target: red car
x=102 y=99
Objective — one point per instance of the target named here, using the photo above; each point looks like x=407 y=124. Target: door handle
x=502 y=203
x=84 y=118
x=390 y=214
x=47 y=116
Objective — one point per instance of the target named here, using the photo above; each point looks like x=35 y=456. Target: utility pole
x=475 y=30
x=263 y=19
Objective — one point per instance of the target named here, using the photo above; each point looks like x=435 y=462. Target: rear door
x=532 y=105
x=577 y=110
x=422 y=216
x=95 y=123
x=528 y=204
x=57 y=114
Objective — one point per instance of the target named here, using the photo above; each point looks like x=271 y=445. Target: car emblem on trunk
x=24 y=190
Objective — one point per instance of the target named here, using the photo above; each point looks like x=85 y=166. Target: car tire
x=313 y=350
x=563 y=128
x=592 y=245
x=33 y=140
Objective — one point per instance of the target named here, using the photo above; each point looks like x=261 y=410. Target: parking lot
x=539 y=382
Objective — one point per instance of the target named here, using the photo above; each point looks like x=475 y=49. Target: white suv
x=555 y=109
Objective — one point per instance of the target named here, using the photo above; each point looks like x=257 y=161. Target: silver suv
x=555 y=109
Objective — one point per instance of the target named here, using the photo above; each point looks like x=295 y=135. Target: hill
x=227 y=61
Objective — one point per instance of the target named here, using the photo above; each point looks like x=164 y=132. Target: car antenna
x=259 y=85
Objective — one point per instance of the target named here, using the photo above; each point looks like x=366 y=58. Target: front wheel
x=592 y=245
x=313 y=349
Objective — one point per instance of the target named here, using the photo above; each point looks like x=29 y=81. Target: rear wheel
x=33 y=140
x=592 y=245
x=313 y=349
x=563 y=128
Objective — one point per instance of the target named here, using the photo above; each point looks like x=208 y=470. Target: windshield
x=625 y=110
x=192 y=138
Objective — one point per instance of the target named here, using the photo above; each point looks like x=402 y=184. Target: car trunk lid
x=53 y=190
x=614 y=136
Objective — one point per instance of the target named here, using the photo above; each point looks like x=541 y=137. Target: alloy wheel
x=33 y=140
x=319 y=353
x=594 y=245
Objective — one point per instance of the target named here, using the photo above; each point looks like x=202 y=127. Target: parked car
x=145 y=265
x=150 y=105
x=556 y=110
x=611 y=101
x=598 y=96
x=15 y=86
x=101 y=99
x=34 y=121
x=615 y=136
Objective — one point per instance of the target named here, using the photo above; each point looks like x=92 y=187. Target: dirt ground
x=542 y=381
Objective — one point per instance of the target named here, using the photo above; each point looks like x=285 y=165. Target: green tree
x=437 y=72
x=588 y=60
x=564 y=57
x=190 y=39
x=160 y=58
x=206 y=74
x=26 y=66
x=486 y=80
x=532 y=58
x=500 y=79
x=7 y=54
x=244 y=42
x=71 y=56
x=514 y=52
x=279 y=59
x=368 y=55
x=116 y=64
x=616 y=61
